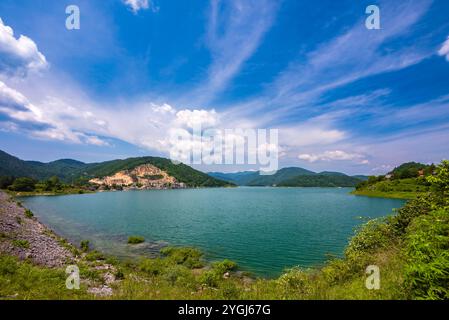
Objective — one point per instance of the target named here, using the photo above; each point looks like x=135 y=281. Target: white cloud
x=195 y=118
x=53 y=120
x=163 y=109
x=336 y=155
x=136 y=5
x=18 y=56
x=444 y=51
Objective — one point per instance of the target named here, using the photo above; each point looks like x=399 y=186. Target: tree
x=5 y=182
x=440 y=182
x=52 y=183
x=23 y=184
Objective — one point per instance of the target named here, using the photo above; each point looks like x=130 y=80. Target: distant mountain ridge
x=290 y=177
x=69 y=170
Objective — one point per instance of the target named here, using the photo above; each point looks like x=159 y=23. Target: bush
x=119 y=274
x=153 y=267
x=5 y=182
x=94 y=256
x=427 y=250
x=29 y=214
x=8 y=265
x=84 y=245
x=211 y=278
x=224 y=266
x=189 y=257
x=21 y=244
x=295 y=281
x=374 y=235
x=136 y=239
x=179 y=275
x=414 y=208
x=23 y=184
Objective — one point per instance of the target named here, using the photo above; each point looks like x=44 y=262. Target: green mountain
x=411 y=170
x=65 y=169
x=319 y=180
x=69 y=170
x=289 y=177
x=238 y=178
x=361 y=177
x=182 y=172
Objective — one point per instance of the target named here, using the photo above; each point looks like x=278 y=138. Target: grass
x=391 y=195
x=41 y=192
x=406 y=189
x=24 y=244
x=22 y=280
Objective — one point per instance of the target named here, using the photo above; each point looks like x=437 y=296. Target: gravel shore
x=27 y=238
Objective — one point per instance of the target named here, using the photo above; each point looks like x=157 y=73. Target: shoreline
x=387 y=195
x=22 y=235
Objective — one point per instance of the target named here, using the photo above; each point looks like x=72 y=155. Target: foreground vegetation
x=411 y=249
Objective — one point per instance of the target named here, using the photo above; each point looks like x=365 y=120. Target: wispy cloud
x=235 y=30
x=444 y=50
x=356 y=54
x=137 y=5
x=335 y=155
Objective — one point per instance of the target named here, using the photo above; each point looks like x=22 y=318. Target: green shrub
x=21 y=243
x=29 y=214
x=427 y=250
x=372 y=236
x=178 y=275
x=295 y=281
x=211 y=278
x=84 y=245
x=189 y=257
x=8 y=265
x=23 y=184
x=412 y=209
x=6 y=181
x=224 y=266
x=153 y=267
x=94 y=256
x=119 y=274
x=136 y=239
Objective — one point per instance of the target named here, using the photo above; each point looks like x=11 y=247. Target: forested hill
x=290 y=177
x=70 y=171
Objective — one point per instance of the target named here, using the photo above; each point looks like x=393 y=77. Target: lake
x=264 y=230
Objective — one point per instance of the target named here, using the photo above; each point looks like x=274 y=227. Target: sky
x=342 y=97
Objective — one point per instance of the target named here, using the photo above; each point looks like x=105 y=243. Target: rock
x=102 y=291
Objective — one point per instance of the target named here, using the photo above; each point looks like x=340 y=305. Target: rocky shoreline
x=24 y=236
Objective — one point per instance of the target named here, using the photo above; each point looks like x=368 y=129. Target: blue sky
x=342 y=97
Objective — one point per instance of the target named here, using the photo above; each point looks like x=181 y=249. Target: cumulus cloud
x=336 y=155
x=444 y=51
x=195 y=118
x=136 y=5
x=18 y=56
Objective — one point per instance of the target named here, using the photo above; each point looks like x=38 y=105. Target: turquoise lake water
x=264 y=230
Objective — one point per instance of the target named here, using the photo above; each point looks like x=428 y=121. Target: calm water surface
x=265 y=230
